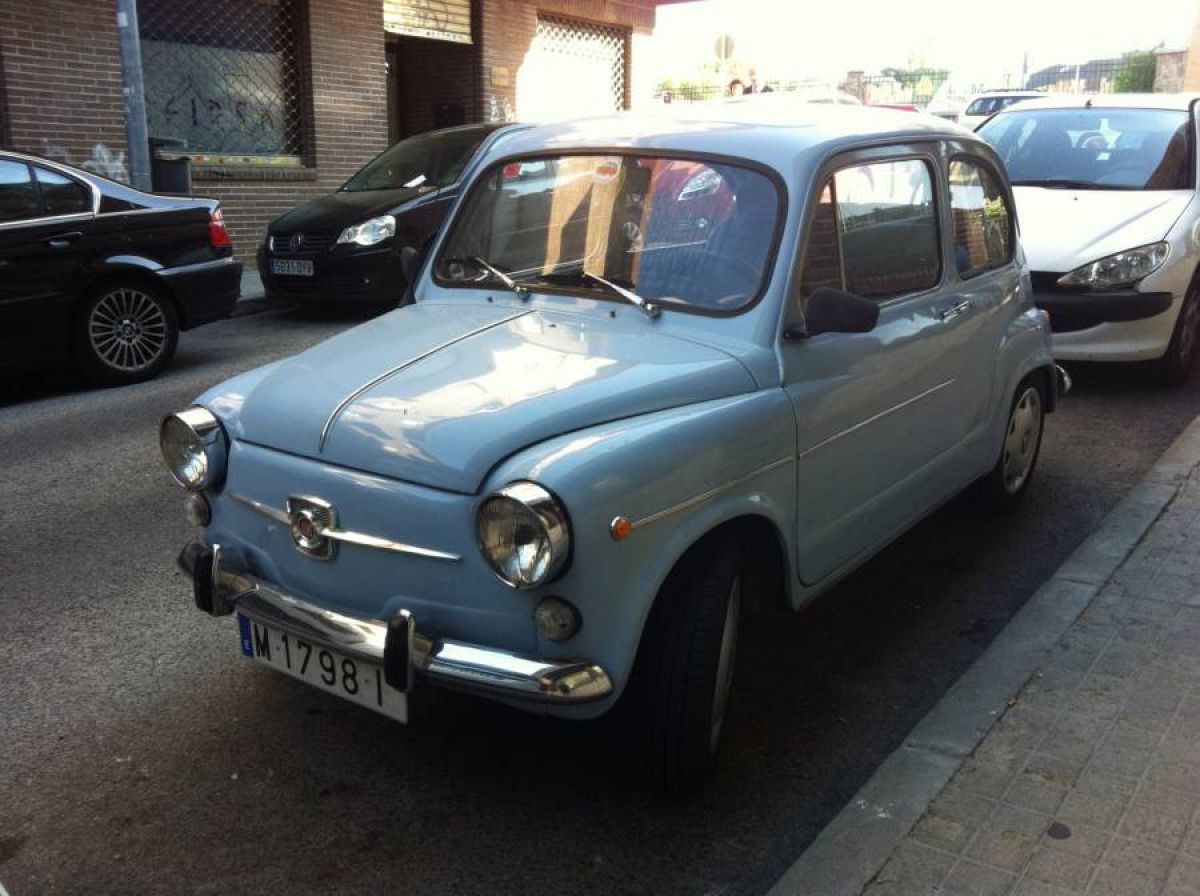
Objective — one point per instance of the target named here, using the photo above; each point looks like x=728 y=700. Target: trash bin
x=170 y=169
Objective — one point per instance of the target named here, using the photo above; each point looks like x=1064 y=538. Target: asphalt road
x=140 y=754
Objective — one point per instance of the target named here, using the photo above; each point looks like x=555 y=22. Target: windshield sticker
x=607 y=171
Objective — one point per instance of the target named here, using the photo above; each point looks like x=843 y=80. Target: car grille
x=314 y=244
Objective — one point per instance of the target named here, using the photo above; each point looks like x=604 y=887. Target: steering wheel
x=1087 y=137
x=704 y=258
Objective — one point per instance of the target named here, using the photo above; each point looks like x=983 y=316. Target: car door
x=881 y=416
x=43 y=217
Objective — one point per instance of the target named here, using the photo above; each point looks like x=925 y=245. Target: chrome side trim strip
x=349 y=537
x=710 y=494
x=857 y=426
x=353 y=396
x=279 y=516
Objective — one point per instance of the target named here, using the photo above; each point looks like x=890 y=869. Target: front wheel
x=1009 y=479
x=124 y=332
x=1172 y=368
x=685 y=668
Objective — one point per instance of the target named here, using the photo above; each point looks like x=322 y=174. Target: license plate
x=293 y=268
x=351 y=679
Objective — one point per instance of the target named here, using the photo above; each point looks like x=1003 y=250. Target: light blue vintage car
x=657 y=372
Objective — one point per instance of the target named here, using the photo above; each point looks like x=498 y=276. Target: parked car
x=1106 y=191
x=987 y=104
x=101 y=274
x=596 y=439
x=346 y=246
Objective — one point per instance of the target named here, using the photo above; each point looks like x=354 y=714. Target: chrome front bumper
x=221 y=587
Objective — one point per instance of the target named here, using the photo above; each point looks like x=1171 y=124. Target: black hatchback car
x=347 y=246
x=104 y=275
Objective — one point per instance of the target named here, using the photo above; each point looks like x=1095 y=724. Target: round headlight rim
x=207 y=431
x=551 y=515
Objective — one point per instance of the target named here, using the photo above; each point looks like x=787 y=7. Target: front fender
x=676 y=474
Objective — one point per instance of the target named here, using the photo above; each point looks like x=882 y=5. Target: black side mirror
x=834 y=311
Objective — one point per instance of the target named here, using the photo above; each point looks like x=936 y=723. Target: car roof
x=1180 y=101
x=1015 y=91
x=770 y=136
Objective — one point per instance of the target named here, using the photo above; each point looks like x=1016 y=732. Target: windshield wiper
x=650 y=309
x=519 y=288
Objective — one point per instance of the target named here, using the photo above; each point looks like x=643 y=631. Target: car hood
x=336 y=211
x=437 y=394
x=1063 y=229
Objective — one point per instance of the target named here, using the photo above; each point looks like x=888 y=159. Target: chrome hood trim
x=372 y=383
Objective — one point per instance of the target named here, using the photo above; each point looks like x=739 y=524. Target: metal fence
x=223 y=76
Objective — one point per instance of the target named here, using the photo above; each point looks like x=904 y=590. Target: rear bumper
x=206 y=291
x=1072 y=311
x=221 y=586
x=363 y=276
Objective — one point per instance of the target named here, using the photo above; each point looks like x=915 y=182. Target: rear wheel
x=1172 y=368
x=685 y=669
x=124 y=332
x=1009 y=479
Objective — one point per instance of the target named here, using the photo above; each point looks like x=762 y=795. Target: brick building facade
x=312 y=88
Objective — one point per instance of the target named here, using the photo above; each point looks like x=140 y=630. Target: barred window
x=223 y=75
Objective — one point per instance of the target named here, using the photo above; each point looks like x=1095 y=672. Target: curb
x=849 y=852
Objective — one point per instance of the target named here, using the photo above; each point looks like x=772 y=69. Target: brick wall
x=62 y=82
x=1191 y=77
x=508 y=27
x=347 y=122
x=1169 y=69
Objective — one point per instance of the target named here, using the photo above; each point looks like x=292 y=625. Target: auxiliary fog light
x=556 y=619
x=197 y=510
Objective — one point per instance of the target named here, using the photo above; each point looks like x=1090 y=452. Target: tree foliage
x=1136 y=74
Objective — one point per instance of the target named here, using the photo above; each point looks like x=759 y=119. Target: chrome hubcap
x=725 y=662
x=1021 y=442
x=128 y=329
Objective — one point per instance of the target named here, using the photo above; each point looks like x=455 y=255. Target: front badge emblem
x=296 y=242
x=309 y=520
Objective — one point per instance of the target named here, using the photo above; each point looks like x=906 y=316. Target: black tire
x=1173 y=367
x=124 y=331
x=681 y=683
x=1008 y=481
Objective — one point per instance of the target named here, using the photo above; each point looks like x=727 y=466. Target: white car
x=989 y=103
x=1105 y=188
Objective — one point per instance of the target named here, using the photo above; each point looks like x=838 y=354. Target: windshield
x=684 y=233
x=1098 y=148
x=424 y=162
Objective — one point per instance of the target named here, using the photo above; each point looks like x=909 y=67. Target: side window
x=982 y=222
x=822 y=258
x=61 y=195
x=18 y=197
x=888 y=229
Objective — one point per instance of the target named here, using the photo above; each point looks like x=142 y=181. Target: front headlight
x=368 y=233
x=524 y=534
x=193 y=446
x=1122 y=269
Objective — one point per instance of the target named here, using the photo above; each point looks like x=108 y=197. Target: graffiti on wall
x=216 y=99
x=102 y=161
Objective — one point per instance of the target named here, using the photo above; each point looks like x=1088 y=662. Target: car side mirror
x=835 y=311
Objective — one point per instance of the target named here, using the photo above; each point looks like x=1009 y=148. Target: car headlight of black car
x=194 y=447
x=524 y=534
x=370 y=232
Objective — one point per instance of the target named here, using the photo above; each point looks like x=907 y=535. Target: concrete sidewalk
x=1067 y=760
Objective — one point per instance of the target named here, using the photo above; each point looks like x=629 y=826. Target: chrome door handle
x=954 y=311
